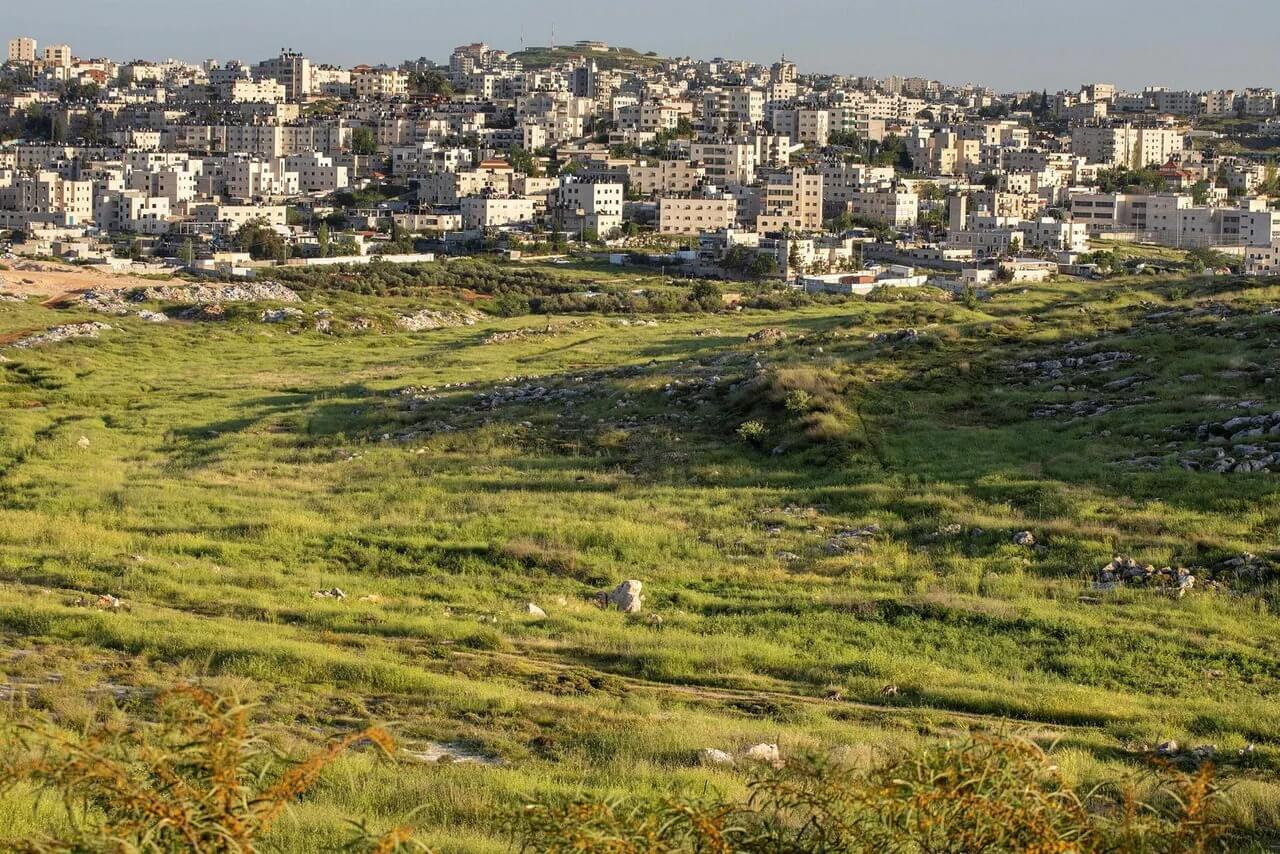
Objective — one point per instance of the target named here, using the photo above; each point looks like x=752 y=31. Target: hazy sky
x=1003 y=43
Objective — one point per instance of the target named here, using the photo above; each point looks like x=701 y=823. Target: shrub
x=988 y=794
x=751 y=431
x=196 y=780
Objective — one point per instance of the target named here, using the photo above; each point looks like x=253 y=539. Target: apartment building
x=58 y=56
x=241 y=91
x=808 y=126
x=553 y=117
x=1262 y=260
x=943 y=152
x=132 y=210
x=379 y=84
x=22 y=50
x=252 y=178
x=709 y=211
x=1127 y=144
x=450 y=188
x=1221 y=102
x=317 y=172
x=1181 y=102
x=590 y=206
x=725 y=162
x=791 y=200
x=988 y=235
x=1172 y=219
x=666 y=177
x=176 y=183
x=490 y=211
x=48 y=192
x=888 y=207
x=292 y=70
x=723 y=107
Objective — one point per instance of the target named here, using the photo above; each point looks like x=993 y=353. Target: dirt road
x=53 y=280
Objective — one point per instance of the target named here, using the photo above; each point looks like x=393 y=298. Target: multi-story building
x=665 y=176
x=708 y=211
x=22 y=50
x=1262 y=260
x=57 y=56
x=888 y=207
x=292 y=70
x=590 y=206
x=1126 y=144
x=380 y=83
x=792 y=200
x=488 y=211
x=317 y=172
x=726 y=162
x=1172 y=219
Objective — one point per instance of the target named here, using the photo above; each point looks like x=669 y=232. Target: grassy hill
x=843 y=576
x=615 y=57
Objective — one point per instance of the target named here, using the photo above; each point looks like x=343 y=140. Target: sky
x=1006 y=44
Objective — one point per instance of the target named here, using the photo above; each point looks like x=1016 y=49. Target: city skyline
x=1004 y=46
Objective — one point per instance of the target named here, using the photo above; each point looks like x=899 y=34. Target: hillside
x=862 y=525
x=613 y=58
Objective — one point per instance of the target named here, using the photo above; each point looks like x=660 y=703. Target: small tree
x=364 y=141
x=706 y=294
x=187 y=255
x=322 y=238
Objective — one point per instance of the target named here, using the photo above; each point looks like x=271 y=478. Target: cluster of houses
x=821 y=174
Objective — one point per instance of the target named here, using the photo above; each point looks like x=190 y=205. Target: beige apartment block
x=694 y=215
x=22 y=50
x=792 y=200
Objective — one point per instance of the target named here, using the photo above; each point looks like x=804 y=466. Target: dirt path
x=57 y=281
x=709 y=693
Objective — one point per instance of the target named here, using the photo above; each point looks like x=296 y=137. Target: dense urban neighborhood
x=829 y=183
x=587 y=450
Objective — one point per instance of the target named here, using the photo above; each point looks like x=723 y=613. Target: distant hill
x=613 y=57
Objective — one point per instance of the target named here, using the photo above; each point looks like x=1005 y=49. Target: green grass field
x=232 y=469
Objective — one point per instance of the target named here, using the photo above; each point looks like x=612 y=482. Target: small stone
x=1024 y=538
x=534 y=611
x=83 y=442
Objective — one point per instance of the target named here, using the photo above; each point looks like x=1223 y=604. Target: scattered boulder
x=208 y=313
x=1124 y=571
x=427 y=320
x=58 y=334
x=1024 y=538
x=626 y=597
x=711 y=756
x=534 y=611
x=281 y=315
x=1202 y=753
x=331 y=593
x=763 y=753
x=103 y=602
x=83 y=442
x=768 y=335
x=216 y=294
x=898 y=336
